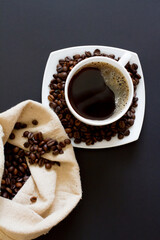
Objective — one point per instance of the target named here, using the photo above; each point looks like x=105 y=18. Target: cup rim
x=112 y=62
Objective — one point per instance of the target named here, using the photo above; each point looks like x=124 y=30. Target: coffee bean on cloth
x=57 y=187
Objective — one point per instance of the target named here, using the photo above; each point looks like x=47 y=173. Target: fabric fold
x=58 y=190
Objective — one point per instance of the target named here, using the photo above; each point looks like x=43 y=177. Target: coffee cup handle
x=125 y=58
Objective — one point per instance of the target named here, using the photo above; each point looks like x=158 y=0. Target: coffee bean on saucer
x=88 y=54
x=97 y=52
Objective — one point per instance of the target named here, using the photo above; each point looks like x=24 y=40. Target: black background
x=121 y=186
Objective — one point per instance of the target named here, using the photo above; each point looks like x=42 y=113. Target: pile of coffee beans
x=16 y=171
x=74 y=128
x=38 y=145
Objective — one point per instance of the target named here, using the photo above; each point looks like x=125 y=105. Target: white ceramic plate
x=51 y=69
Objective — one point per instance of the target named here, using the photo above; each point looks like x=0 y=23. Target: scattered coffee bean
x=19 y=185
x=67 y=141
x=33 y=199
x=35 y=122
x=25 y=134
x=26 y=144
x=12 y=136
x=20 y=125
x=48 y=165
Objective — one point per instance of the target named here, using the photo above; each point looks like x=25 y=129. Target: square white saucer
x=51 y=69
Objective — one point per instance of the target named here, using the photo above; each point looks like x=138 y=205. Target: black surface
x=121 y=186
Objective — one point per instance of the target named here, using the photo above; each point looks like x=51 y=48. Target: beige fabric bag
x=58 y=190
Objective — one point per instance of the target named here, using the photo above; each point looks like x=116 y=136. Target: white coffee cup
x=119 y=65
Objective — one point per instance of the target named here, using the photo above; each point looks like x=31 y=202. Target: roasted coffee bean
x=12 y=136
x=25 y=178
x=7 y=181
x=55 y=152
x=40 y=136
x=35 y=122
x=32 y=156
x=35 y=147
x=97 y=52
x=3 y=182
x=48 y=165
x=17 y=125
x=111 y=56
x=126 y=133
x=36 y=161
x=40 y=163
x=122 y=124
x=10 y=169
x=23 y=125
x=57 y=109
x=26 y=144
x=53 y=147
x=19 y=185
x=76 y=56
x=5 y=195
x=16 y=150
x=67 y=141
x=62 y=75
x=33 y=199
x=30 y=135
x=62 y=144
x=59 y=147
x=41 y=143
x=38 y=155
x=21 y=169
x=88 y=54
x=67 y=59
x=24 y=165
x=51 y=143
x=8 y=190
x=25 y=134
x=68 y=130
x=62 y=61
x=15 y=171
x=120 y=136
x=32 y=148
x=130 y=121
x=65 y=68
x=76 y=140
x=59 y=68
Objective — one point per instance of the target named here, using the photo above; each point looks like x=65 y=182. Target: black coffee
x=90 y=96
x=97 y=90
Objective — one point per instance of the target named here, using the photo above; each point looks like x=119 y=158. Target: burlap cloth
x=58 y=190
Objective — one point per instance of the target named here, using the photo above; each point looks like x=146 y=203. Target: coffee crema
x=98 y=90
